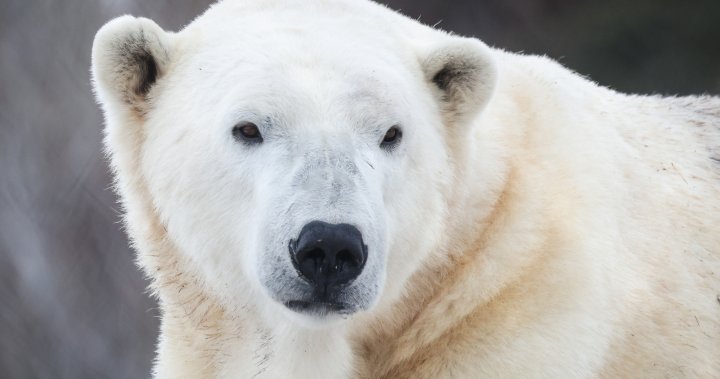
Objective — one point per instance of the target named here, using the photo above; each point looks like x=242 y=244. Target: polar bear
x=328 y=189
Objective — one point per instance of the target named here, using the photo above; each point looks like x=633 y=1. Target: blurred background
x=72 y=303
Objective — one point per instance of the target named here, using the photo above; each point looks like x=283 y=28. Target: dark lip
x=318 y=307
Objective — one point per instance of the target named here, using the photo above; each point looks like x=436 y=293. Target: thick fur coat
x=530 y=223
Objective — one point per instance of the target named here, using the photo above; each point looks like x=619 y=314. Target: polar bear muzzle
x=328 y=257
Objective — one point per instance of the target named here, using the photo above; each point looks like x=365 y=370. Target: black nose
x=328 y=255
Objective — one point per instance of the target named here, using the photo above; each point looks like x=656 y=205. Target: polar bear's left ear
x=129 y=56
x=462 y=73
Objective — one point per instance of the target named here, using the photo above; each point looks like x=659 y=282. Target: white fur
x=529 y=224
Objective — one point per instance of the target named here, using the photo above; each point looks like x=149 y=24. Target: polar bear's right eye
x=247 y=132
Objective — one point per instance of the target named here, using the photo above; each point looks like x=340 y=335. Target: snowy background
x=72 y=304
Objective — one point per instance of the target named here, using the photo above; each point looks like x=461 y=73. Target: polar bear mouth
x=318 y=307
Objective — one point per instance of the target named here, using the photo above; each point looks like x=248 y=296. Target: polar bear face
x=300 y=165
x=291 y=147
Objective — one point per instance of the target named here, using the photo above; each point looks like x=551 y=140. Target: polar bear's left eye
x=392 y=137
x=247 y=132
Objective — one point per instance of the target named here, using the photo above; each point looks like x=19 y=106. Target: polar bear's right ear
x=129 y=55
x=462 y=73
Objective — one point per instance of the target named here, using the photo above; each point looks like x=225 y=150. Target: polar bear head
x=299 y=156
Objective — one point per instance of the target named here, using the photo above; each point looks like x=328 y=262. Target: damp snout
x=328 y=256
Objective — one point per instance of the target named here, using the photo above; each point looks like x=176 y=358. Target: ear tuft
x=129 y=56
x=464 y=74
